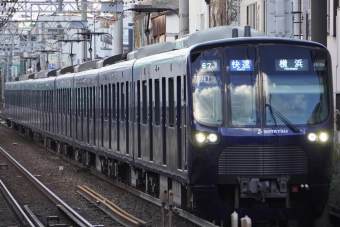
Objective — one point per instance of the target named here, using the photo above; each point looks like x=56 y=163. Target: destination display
x=319 y=65
x=241 y=65
x=210 y=65
x=291 y=65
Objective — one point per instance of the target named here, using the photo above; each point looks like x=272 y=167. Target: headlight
x=323 y=137
x=312 y=137
x=200 y=137
x=212 y=137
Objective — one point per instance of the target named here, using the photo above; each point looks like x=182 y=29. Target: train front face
x=261 y=129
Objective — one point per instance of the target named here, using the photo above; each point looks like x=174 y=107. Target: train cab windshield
x=295 y=85
x=272 y=85
x=207 y=87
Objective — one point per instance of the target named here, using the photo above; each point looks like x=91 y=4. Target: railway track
x=25 y=217
x=68 y=212
x=110 y=208
x=50 y=180
x=10 y=210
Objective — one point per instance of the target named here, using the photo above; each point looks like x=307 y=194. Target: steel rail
x=47 y=192
x=110 y=208
x=18 y=210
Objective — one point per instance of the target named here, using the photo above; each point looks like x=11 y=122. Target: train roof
x=86 y=65
x=191 y=41
x=205 y=35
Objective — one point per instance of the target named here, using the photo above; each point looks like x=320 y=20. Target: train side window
x=64 y=101
x=157 y=103
x=108 y=103
x=138 y=103
x=127 y=100
x=102 y=101
x=81 y=104
x=90 y=102
x=184 y=95
x=85 y=102
x=60 y=96
x=105 y=102
x=46 y=99
x=78 y=101
x=118 y=117
x=94 y=102
x=57 y=100
x=51 y=101
x=179 y=121
x=114 y=102
x=118 y=102
x=60 y=101
x=144 y=101
x=163 y=120
x=81 y=109
x=69 y=101
x=43 y=100
x=171 y=96
x=150 y=119
x=122 y=103
x=150 y=100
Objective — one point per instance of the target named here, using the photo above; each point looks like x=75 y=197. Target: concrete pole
x=11 y=57
x=7 y=67
x=296 y=21
x=84 y=18
x=60 y=32
x=319 y=21
x=131 y=35
x=207 y=17
x=184 y=17
x=119 y=34
x=59 y=65
x=29 y=60
x=43 y=58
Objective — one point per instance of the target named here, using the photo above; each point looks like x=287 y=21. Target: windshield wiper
x=282 y=118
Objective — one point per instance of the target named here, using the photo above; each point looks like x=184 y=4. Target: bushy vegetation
x=335 y=185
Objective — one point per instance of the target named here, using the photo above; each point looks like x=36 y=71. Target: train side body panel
x=64 y=117
x=160 y=119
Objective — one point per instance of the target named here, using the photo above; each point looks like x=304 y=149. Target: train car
x=227 y=123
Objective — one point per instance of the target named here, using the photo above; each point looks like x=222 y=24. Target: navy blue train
x=228 y=123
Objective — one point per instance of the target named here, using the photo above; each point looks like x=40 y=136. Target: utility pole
x=119 y=33
x=60 y=31
x=43 y=58
x=184 y=17
x=84 y=18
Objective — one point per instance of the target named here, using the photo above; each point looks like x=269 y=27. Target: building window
x=251 y=15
